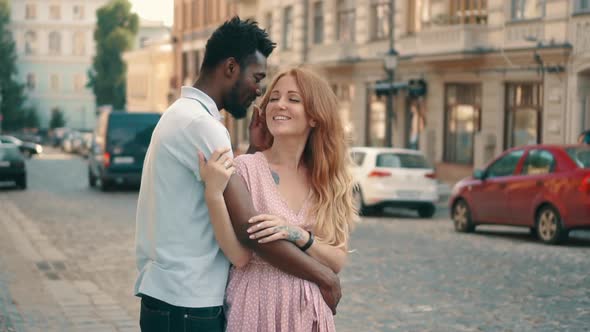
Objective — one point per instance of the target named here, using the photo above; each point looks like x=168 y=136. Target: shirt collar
x=196 y=94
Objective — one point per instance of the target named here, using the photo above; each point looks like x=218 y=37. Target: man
x=584 y=137
x=182 y=270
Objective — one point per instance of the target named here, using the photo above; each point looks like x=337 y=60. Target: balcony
x=337 y=52
x=520 y=33
x=445 y=40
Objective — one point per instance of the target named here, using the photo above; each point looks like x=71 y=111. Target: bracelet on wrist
x=308 y=243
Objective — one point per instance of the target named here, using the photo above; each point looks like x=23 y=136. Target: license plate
x=408 y=194
x=4 y=163
x=123 y=160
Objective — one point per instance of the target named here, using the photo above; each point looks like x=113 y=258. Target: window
x=580 y=155
x=468 y=12
x=402 y=160
x=380 y=19
x=318 y=23
x=79 y=82
x=418 y=15
x=538 y=162
x=268 y=24
x=345 y=20
x=582 y=6
x=79 y=43
x=523 y=114
x=54 y=82
x=54 y=43
x=358 y=158
x=30 y=43
x=30 y=11
x=504 y=166
x=78 y=12
x=54 y=12
x=31 y=81
x=527 y=9
x=288 y=28
x=462 y=121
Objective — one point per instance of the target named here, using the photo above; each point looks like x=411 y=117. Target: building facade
x=55 y=47
x=194 y=22
x=149 y=71
x=498 y=73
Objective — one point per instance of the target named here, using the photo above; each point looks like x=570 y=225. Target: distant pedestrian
x=584 y=137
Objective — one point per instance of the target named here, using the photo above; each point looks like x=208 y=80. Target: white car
x=393 y=177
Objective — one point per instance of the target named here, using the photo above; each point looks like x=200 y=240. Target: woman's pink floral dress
x=259 y=297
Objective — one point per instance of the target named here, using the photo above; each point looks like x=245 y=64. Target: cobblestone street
x=67 y=264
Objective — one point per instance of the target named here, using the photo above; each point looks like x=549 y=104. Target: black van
x=120 y=142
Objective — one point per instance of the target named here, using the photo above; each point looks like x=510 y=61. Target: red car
x=543 y=187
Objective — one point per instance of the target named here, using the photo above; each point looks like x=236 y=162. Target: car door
x=489 y=196
x=535 y=174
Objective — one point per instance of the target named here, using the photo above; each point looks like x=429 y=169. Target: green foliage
x=115 y=30
x=11 y=92
x=57 y=119
x=31 y=118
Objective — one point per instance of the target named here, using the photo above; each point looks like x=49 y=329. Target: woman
x=303 y=187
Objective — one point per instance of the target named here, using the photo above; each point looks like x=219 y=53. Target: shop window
x=462 y=121
x=523 y=114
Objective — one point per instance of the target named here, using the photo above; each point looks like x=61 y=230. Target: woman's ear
x=312 y=123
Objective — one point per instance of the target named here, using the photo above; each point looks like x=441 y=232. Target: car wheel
x=362 y=209
x=462 y=217
x=549 y=226
x=105 y=185
x=22 y=182
x=91 y=178
x=427 y=211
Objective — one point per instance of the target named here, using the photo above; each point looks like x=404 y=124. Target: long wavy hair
x=326 y=156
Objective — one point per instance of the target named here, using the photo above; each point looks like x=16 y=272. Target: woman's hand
x=216 y=171
x=267 y=228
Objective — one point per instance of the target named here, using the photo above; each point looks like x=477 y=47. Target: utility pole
x=390 y=62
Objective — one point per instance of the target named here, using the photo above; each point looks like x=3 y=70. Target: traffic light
x=417 y=88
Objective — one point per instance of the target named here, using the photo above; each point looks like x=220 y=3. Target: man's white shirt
x=178 y=258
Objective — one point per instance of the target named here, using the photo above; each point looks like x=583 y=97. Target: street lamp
x=390 y=63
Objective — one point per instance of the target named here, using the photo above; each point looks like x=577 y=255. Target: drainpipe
x=305 y=31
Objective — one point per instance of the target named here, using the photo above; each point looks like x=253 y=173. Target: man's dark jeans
x=158 y=316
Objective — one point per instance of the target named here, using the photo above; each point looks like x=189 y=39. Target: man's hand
x=260 y=137
x=331 y=292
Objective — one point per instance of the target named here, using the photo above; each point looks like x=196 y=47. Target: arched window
x=54 y=43
x=30 y=42
x=79 y=44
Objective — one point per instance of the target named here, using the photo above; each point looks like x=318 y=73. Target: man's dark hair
x=238 y=39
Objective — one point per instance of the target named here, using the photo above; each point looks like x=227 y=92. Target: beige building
x=499 y=73
x=149 y=72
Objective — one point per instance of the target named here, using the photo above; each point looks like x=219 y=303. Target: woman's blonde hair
x=326 y=155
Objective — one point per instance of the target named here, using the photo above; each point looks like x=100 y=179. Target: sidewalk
x=36 y=296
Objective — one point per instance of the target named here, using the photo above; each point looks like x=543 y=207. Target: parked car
x=393 y=177
x=543 y=187
x=121 y=141
x=28 y=149
x=12 y=165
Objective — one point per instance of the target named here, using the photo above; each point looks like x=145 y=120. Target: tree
x=31 y=118
x=115 y=30
x=11 y=92
x=57 y=119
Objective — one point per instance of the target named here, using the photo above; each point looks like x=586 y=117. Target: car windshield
x=9 y=153
x=131 y=130
x=402 y=160
x=580 y=155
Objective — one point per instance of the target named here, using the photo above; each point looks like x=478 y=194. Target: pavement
x=67 y=264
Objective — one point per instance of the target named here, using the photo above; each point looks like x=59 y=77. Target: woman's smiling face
x=285 y=112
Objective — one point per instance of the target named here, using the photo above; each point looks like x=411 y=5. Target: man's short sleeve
x=202 y=134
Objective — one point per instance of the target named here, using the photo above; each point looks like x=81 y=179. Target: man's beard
x=233 y=105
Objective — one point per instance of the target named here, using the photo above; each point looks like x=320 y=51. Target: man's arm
x=280 y=254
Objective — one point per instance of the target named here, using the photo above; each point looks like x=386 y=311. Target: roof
x=385 y=149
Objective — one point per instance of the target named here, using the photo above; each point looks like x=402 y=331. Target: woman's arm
x=268 y=228
x=216 y=173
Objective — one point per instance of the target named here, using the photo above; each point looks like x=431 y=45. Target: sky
x=157 y=10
